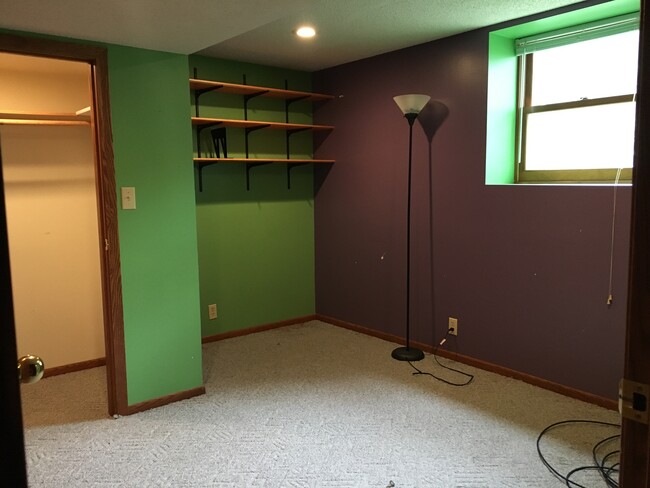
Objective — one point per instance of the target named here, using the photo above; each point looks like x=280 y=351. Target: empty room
x=313 y=244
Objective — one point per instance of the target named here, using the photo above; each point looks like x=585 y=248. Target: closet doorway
x=61 y=208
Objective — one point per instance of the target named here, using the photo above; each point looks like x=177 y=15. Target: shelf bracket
x=198 y=93
x=290 y=166
x=200 y=129
x=289 y=133
x=248 y=130
x=250 y=166
x=247 y=98
x=288 y=103
x=200 y=167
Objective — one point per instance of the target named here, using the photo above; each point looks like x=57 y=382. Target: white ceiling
x=260 y=31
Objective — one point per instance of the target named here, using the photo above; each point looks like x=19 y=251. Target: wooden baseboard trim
x=484 y=365
x=184 y=395
x=365 y=330
x=159 y=402
x=259 y=328
x=71 y=368
x=532 y=380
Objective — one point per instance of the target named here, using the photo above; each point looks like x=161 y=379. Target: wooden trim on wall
x=109 y=239
x=165 y=400
x=259 y=328
x=484 y=365
x=97 y=58
x=183 y=395
x=73 y=367
x=530 y=379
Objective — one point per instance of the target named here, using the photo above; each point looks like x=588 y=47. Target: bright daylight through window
x=576 y=105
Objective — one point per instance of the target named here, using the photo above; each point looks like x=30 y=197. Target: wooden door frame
x=97 y=58
x=635 y=440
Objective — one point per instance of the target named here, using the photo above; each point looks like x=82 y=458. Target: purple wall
x=524 y=268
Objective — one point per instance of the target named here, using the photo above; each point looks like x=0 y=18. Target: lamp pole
x=411 y=105
x=410 y=117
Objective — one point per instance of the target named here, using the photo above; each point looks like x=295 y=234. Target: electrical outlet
x=453 y=326
x=212 y=311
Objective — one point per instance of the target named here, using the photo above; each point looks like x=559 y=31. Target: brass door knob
x=30 y=369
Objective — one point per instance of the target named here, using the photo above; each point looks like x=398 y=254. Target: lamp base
x=407 y=354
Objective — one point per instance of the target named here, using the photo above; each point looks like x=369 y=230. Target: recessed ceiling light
x=305 y=31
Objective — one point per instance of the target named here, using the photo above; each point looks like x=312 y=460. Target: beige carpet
x=310 y=406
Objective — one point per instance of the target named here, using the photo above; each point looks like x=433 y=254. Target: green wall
x=256 y=248
x=149 y=98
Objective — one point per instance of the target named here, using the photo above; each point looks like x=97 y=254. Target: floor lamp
x=411 y=106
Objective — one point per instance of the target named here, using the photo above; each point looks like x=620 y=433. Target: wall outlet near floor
x=212 y=311
x=452 y=327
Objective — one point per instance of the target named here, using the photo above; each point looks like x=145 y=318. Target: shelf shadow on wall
x=320 y=170
x=226 y=183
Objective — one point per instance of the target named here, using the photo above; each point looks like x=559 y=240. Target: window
x=576 y=103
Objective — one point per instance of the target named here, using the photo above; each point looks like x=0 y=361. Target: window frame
x=525 y=64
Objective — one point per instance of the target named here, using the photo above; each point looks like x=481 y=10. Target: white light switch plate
x=128 y=198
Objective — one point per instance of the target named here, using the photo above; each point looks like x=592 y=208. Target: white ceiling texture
x=261 y=31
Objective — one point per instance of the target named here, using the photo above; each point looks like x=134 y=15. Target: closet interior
x=48 y=158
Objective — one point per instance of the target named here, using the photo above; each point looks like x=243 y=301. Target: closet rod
x=18 y=118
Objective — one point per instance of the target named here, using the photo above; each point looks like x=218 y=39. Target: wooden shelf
x=253 y=162
x=249 y=124
x=235 y=89
x=25 y=118
x=249 y=92
x=206 y=161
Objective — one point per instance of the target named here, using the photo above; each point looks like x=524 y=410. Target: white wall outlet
x=212 y=311
x=452 y=327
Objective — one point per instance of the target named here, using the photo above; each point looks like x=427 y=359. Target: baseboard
x=484 y=365
x=159 y=402
x=184 y=395
x=532 y=380
x=259 y=328
x=74 y=367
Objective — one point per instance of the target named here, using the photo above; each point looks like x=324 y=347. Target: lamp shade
x=411 y=104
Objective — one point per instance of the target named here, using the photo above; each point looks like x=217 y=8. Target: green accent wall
x=149 y=97
x=502 y=81
x=502 y=111
x=256 y=248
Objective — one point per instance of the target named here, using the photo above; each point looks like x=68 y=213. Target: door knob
x=30 y=369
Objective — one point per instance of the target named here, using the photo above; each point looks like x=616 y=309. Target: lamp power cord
x=470 y=377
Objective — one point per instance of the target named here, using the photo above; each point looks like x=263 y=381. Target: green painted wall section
x=502 y=82
x=256 y=248
x=502 y=110
x=149 y=97
x=153 y=152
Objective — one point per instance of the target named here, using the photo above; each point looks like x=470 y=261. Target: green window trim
x=503 y=84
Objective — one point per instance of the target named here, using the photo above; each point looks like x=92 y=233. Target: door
x=12 y=450
x=12 y=467
x=96 y=57
x=635 y=441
